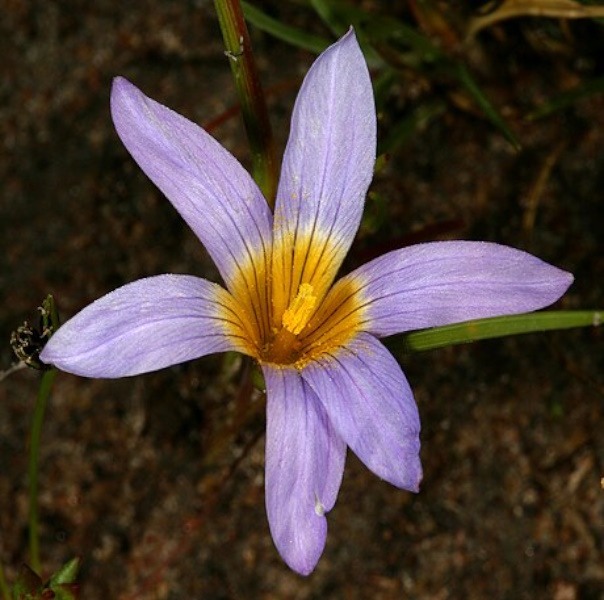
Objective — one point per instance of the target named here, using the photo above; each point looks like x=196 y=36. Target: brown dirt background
x=157 y=481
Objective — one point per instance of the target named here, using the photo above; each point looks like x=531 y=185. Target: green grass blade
x=568 y=98
x=468 y=82
x=420 y=118
x=336 y=16
x=340 y=16
x=33 y=470
x=67 y=573
x=291 y=35
x=483 y=329
x=399 y=34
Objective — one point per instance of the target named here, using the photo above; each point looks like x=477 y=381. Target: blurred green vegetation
x=432 y=47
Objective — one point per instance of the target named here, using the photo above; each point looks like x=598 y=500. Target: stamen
x=297 y=315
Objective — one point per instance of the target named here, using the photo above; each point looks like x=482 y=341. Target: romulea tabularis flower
x=330 y=383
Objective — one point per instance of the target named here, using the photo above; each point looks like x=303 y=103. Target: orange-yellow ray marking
x=300 y=259
x=250 y=291
x=283 y=312
x=337 y=321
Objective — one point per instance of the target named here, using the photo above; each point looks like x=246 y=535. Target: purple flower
x=330 y=382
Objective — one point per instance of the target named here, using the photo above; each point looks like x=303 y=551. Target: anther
x=297 y=315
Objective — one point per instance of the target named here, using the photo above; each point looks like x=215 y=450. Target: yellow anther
x=297 y=315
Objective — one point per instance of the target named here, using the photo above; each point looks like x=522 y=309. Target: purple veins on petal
x=147 y=325
x=213 y=193
x=371 y=406
x=330 y=382
x=439 y=283
x=327 y=168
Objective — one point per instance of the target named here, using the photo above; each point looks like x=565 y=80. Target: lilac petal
x=327 y=168
x=447 y=282
x=304 y=468
x=371 y=406
x=147 y=325
x=205 y=183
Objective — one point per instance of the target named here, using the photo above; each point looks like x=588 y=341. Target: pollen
x=297 y=315
x=283 y=309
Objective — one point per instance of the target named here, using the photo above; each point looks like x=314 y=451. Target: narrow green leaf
x=68 y=573
x=32 y=468
x=420 y=118
x=335 y=15
x=482 y=329
x=382 y=83
x=339 y=16
x=468 y=82
x=292 y=35
x=568 y=98
x=394 y=31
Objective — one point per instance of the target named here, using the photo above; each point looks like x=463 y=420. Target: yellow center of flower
x=288 y=314
x=298 y=313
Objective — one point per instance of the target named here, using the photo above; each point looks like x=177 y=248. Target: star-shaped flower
x=330 y=383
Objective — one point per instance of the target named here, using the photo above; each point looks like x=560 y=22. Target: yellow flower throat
x=284 y=345
x=287 y=313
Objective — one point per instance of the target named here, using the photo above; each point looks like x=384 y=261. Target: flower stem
x=34 y=450
x=252 y=99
